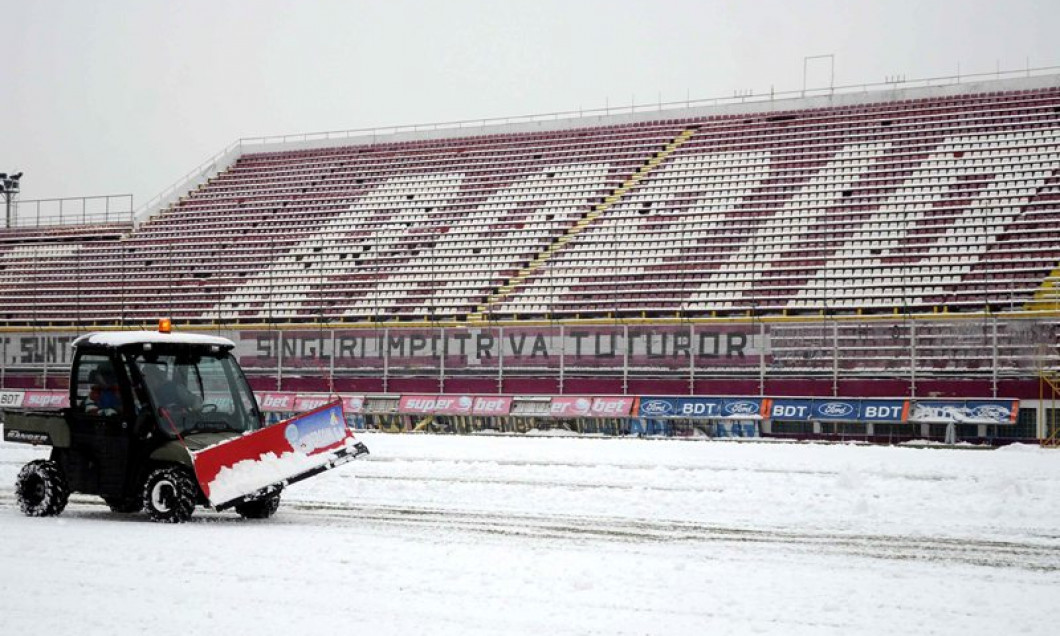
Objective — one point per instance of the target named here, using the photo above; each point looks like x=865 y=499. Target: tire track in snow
x=1042 y=555
x=544 y=483
x=650 y=467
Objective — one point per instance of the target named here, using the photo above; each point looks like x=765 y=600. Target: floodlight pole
x=9 y=187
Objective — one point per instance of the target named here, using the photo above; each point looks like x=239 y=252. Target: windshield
x=197 y=393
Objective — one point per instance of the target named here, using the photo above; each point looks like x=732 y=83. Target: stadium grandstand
x=871 y=264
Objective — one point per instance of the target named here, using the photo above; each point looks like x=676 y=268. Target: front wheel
x=260 y=508
x=41 y=489
x=170 y=494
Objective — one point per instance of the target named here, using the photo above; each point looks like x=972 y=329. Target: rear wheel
x=41 y=489
x=170 y=494
x=260 y=508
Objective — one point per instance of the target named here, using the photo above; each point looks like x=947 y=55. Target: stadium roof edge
x=692 y=109
x=1025 y=79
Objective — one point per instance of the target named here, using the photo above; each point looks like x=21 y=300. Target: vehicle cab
x=165 y=386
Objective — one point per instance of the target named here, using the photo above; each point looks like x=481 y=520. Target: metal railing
x=216 y=163
x=905 y=352
x=111 y=208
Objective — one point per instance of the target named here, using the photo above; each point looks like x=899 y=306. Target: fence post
x=279 y=360
x=761 y=358
x=562 y=357
x=386 y=359
x=625 y=359
x=692 y=359
x=444 y=337
x=912 y=357
x=994 y=357
x=835 y=358
x=500 y=360
x=331 y=370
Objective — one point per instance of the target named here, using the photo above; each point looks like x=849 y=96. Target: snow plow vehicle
x=164 y=422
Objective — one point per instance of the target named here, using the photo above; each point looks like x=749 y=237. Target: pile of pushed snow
x=553 y=432
x=1024 y=448
x=251 y=475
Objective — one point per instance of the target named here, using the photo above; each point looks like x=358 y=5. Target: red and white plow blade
x=283 y=453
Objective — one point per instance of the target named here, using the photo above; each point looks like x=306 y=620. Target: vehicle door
x=100 y=424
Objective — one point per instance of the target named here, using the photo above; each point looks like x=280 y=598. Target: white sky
x=126 y=96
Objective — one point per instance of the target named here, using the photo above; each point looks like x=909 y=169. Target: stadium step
x=1047 y=298
x=616 y=195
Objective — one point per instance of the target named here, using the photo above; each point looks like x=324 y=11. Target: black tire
x=260 y=508
x=124 y=505
x=170 y=494
x=41 y=489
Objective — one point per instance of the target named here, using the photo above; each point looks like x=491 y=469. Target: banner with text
x=840 y=410
x=750 y=408
x=289 y=402
x=485 y=405
x=581 y=406
x=588 y=347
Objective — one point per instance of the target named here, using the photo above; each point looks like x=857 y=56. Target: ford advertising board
x=849 y=410
x=702 y=407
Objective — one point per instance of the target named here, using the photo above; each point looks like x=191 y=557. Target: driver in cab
x=104 y=397
x=169 y=393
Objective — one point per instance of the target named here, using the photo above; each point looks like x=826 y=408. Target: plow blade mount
x=259 y=463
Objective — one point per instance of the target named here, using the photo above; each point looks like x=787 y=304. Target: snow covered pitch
x=492 y=535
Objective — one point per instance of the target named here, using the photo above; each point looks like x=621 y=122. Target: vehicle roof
x=122 y=338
